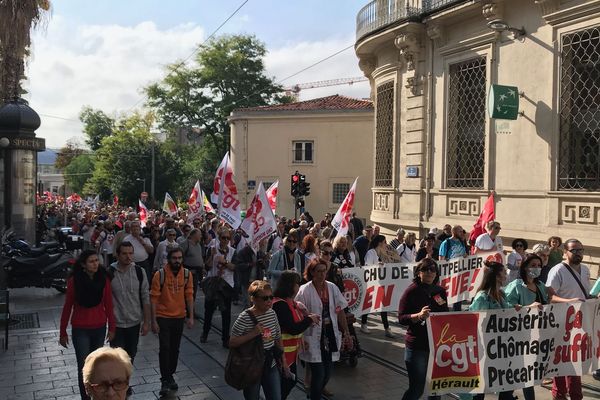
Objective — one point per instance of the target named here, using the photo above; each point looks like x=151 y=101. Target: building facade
x=50 y=178
x=327 y=139
x=438 y=154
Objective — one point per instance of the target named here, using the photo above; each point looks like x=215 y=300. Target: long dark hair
x=82 y=259
x=375 y=241
x=426 y=263
x=88 y=292
x=285 y=284
x=490 y=282
x=525 y=265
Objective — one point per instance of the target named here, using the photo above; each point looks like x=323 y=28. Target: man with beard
x=172 y=305
x=570 y=279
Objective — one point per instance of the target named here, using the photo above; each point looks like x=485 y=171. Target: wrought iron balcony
x=381 y=13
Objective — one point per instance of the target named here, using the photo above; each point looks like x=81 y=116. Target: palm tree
x=17 y=18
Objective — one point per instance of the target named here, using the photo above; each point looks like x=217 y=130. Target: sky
x=102 y=53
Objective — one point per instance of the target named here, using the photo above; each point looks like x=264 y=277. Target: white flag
x=195 y=208
x=272 y=195
x=169 y=205
x=260 y=221
x=342 y=216
x=227 y=200
x=143 y=213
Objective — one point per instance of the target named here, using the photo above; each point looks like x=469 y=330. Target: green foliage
x=79 y=171
x=67 y=153
x=229 y=73
x=97 y=126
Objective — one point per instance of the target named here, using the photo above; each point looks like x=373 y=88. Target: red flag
x=143 y=213
x=487 y=214
x=115 y=200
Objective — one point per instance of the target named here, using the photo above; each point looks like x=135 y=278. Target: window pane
x=298 y=152
x=579 y=151
x=384 y=134
x=466 y=124
x=308 y=156
x=340 y=190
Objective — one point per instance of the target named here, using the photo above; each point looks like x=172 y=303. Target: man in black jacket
x=245 y=261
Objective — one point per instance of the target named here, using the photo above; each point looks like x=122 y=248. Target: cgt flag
x=260 y=221
x=169 y=205
x=272 y=195
x=487 y=215
x=115 y=200
x=227 y=195
x=195 y=209
x=342 y=216
x=143 y=213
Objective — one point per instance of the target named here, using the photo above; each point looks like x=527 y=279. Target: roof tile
x=335 y=102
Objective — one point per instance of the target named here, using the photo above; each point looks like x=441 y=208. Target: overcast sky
x=101 y=53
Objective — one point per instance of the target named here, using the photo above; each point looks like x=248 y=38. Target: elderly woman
x=324 y=340
x=418 y=300
x=542 y=250
x=283 y=259
x=106 y=374
x=244 y=330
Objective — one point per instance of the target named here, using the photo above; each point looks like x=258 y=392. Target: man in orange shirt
x=172 y=303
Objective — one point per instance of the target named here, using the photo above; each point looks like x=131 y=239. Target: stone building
x=328 y=139
x=438 y=154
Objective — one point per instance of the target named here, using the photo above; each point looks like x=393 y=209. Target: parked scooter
x=43 y=271
x=13 y=246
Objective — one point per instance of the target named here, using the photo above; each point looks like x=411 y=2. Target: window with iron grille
x=579 y=148
x=465 y=158
x=340 y=190
x=303 y=151
x=384 y=135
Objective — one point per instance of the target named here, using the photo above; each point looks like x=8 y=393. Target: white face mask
x=534 y=272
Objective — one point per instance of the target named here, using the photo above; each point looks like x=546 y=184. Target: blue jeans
x=84 y=342
x=416 y=366
x=321 y=372
x=271 y=384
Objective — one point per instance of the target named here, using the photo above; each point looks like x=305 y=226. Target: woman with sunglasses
x=514 y=259
x=283 y=259
x=222 y=267
x=245 y=330
x=323 y=340
x=418 y=300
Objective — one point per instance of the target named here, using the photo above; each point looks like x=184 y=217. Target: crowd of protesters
x=128 y=281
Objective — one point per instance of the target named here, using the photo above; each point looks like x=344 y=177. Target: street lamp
x=143 y=180
x=499 y=25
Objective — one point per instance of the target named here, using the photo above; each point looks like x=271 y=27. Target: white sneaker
x=364 y=328
x=388 y=333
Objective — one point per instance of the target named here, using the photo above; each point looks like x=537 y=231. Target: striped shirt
x=272 y=332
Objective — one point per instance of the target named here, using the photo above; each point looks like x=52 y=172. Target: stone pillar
x=19 y=148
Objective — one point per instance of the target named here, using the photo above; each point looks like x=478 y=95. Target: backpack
x=161 y=275
x=140 y=276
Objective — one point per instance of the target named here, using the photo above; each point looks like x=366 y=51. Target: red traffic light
x=295 y=178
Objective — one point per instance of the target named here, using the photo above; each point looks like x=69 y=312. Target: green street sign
x=503 y=102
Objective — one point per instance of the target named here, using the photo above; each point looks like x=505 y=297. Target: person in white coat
x=324 y=340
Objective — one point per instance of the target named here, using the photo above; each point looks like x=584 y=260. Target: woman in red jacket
x=88 y=305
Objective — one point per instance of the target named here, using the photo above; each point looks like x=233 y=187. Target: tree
x=18 y=17
x=79 y=171
x=68 y=152
x=229 y=74
x=97 y=126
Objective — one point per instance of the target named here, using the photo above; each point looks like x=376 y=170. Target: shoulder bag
x=245 y=363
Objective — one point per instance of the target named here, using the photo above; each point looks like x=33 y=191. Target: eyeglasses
x=576 y=251
x=265 y=298
x=224 y=238
x=118 y=386
x=326 y=252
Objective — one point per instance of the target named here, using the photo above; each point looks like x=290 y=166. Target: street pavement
x=35 y=366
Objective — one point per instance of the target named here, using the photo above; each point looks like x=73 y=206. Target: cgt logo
x=352 y=290
x=455 y=346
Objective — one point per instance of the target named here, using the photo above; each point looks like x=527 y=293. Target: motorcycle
x=18 y=247
x=43 y=271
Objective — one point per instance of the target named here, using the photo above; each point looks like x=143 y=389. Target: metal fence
x=384 y=135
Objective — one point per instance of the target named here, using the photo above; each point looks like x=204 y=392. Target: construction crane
x=294 y=91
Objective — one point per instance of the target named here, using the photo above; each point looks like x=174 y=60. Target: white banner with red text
x=504 y=350
x=379 y=288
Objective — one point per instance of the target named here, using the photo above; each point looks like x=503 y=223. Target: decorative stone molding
x=462 y=207
x=437 y=34
x=548 y=6
x=492 y=11
x=367 y=66
x=414 y=83
x=408 y=44
x=580 y=213
x=381 y=202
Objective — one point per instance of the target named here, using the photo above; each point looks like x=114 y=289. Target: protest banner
x=376 y=288
x=504 y=350
x=260 y=221
x=195 y=207
x=342 y=216
x=272 y=195
x=461 y=276
x=226 y=195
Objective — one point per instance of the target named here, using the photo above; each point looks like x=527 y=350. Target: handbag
x=245 y=363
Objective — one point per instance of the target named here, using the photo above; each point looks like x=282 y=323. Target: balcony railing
x=380 y=13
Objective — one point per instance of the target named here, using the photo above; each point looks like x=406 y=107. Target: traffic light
x=295 y=184
x=299 y=203
x=304 y=187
